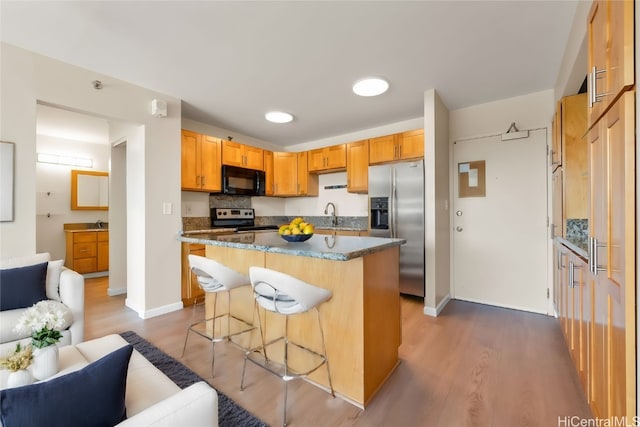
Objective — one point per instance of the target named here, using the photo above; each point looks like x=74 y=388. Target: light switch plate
x=166 y=208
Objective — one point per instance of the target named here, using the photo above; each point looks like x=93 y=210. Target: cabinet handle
x=203 y=180
x=593 y=77
x=400 y=151
x=594 y=266
x=197 y=180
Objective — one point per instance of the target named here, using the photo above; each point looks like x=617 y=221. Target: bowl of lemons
x=298 y=230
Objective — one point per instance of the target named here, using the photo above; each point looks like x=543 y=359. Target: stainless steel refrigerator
x=396 y=200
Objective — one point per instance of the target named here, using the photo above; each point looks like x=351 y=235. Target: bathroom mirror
x=89 y=190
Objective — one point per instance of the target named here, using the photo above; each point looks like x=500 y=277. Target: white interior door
x=500 y=240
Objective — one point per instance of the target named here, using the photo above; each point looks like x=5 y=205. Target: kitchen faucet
x=99 y=224
x=334 y=218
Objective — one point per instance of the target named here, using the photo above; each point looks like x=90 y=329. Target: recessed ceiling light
x=371 y=86
x=278 y=117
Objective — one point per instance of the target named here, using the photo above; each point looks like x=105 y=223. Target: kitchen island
x=362 y=319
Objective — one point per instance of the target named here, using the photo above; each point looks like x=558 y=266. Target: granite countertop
x=340 y=228
x=338 y=248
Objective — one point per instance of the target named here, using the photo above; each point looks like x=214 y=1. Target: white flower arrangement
x=43 y=321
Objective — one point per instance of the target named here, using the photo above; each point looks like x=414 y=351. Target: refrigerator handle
x=393 y=203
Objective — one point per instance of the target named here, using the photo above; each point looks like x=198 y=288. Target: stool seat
x=214 y=278
x=286 y=295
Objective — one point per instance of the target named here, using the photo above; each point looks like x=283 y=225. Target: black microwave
x=242 y=181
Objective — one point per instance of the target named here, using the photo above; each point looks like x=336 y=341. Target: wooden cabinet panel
x=402 y=146
x=210 y=164
x=87 y=251
x=254 y=157
x=326 y=159
x=244 y=156
x=382 y=149
x=574 y=155
x=201 y=162
x=612 y=226
x=268 y=173
x=285 y=174
x=557 y=218
x=190 y=171
x=610 y=29
x=307 y=183
x=191 y=291
x=411 y=145
x=556 y=129
x=358 y=167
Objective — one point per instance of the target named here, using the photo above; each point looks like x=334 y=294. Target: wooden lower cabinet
x=87 y=251
x=334 y=232
x=191 y=291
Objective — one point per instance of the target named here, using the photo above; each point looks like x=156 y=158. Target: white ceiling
x=230 y=62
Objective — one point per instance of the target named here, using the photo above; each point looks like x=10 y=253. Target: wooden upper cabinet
x=307 y=183
x=285 y=174
x=556 y=143
x=358 y=166
x=575 y=149
x=200 y=162
x=610 y=29
x=244 y=156
x=382 y=149
x=411 y=145
x=402 y=146
x=328 y=158
x=268 y=173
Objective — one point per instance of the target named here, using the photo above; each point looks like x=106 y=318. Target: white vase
x=19 y=378
x=45 y=362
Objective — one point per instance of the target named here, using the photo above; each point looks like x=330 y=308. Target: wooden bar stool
x=286 y=295
x=216 y=278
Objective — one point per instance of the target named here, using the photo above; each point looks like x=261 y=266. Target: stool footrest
x=221 y=328
x=300 y=362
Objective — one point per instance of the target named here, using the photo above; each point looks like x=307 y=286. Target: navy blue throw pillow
x=92 y=396
x=23 y=286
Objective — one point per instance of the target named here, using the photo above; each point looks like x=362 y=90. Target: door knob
x=459 y=213
x=458 y=229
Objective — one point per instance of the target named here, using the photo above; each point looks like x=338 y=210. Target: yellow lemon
x=282 y=228
x=308 y=229
x=287 y=232
x=297 y=220
x=295 y=231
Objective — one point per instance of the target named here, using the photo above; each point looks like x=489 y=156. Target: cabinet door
x=190 y=166
x=285 y=174
x=411 y=145
x=316 y=160
x=336 y=156
x=557 y=222
x=612 y=225
x=210 y=160
x=253 y=157
x=382 y=149
x=268 y=173
x=103 y=256
x=574 y=149
x=610 y=29
x=556 y=147
x=358 y=166
x=232 y=154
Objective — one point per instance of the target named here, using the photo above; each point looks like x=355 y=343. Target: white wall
x=27 y=78
x=53 y=192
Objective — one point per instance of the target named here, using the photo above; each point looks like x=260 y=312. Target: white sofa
x=63 y=285
x=151 y=398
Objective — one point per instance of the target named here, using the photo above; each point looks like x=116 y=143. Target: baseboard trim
x=96 y=274
x=159 y=311
x=116 y=291
x=510 y=307
x=434 y=312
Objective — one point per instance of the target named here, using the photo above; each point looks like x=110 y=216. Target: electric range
x=242 y=219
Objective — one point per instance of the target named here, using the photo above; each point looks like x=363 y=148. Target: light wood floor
x=474 y=365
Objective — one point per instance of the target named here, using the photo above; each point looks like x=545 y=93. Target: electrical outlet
x=187 y=209
x=166 y=208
